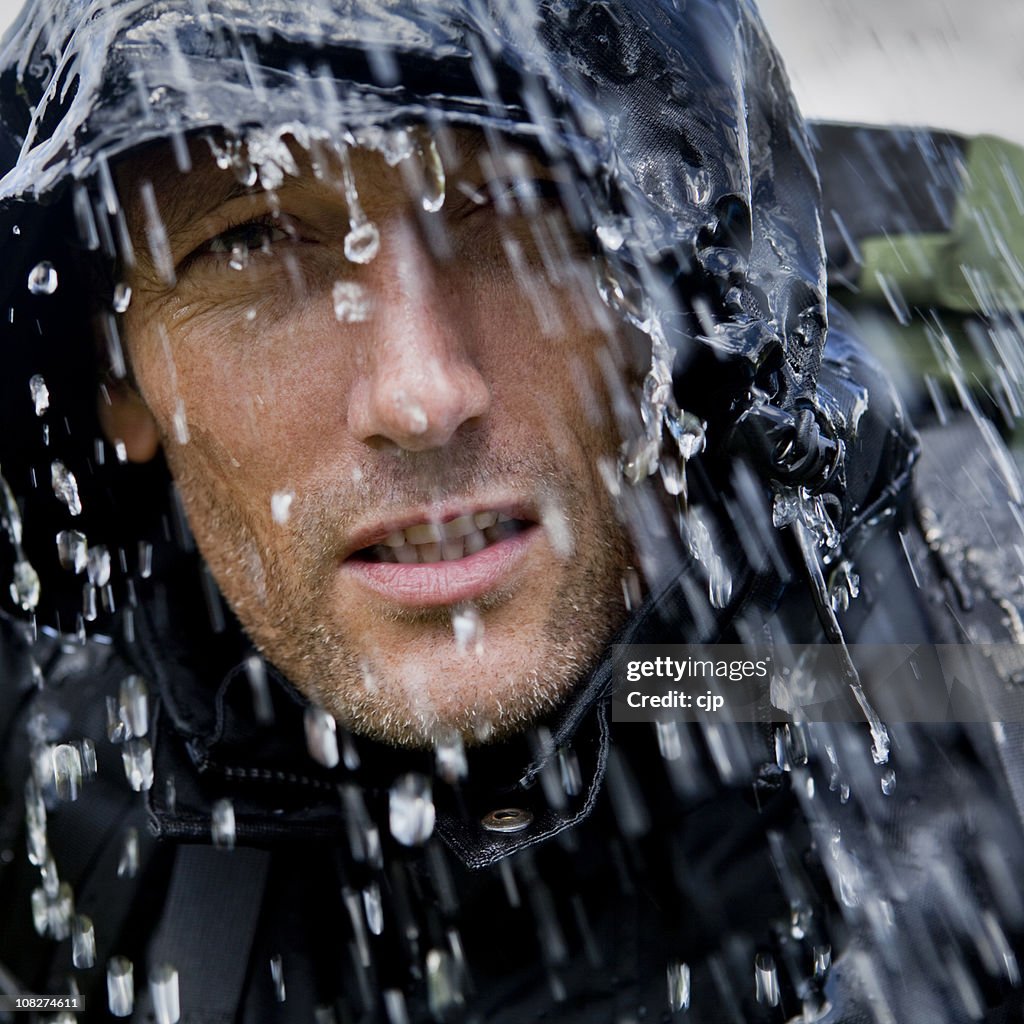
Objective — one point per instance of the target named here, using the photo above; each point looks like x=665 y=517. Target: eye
x=239 y=241
x=524 y=195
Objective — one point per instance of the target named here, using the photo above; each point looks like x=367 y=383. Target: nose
x=420 y=384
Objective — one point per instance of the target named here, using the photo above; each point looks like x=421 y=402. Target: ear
x=125 y=417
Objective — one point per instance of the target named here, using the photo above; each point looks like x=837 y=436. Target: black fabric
x=206 y=931
x=878 y=182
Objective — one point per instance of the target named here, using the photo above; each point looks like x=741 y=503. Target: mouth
x=458 y=538
x=446 y=560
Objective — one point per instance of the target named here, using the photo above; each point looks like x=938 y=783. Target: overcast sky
x=948 y=63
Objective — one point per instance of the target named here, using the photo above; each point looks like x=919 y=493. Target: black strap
x=207 y=929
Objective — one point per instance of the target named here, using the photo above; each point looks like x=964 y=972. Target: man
x=473 y=340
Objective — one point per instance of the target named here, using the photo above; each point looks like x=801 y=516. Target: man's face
x=391 y=465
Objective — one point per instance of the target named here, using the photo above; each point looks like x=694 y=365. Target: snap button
x=507 y=819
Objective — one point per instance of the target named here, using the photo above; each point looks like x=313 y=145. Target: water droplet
x=678 y=986
x=888 y=781
x=394 y=1005
x=97 y=565
x=89 y=605
x=281 y=505
x=163 y=990
x=321 y=736
x=451 y=758
x=822 y=960
x=10 y=517
x=40 y=393
x=67 y=771
x=65 y=487
x=277 y=977
x=556 y=526
x=673 y=476
x=610 y=236
x=25 y=587
x=83 y=942
x=239 y=257
x=88 y=750
x=72 y=550
x=374 y=908
x=137 y=758
x=699 y=186
x=128 y=863
x=42 y=279
x=469 y=631
x=443 y=993
x=352 y=303
x=145 y=559
x=52 y=911
x=256 y=672
x=222 y=824
x=433 y=178
x=35 y=821
x=181 y=434
x=411 y=809
x=766 y=979
x=115 y=726
x=133 y=705
x=362 y=242
x=349 y=754
x=120 y=986
x=122 y=297
x=719 y=583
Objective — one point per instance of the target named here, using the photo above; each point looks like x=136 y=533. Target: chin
x=424 y=703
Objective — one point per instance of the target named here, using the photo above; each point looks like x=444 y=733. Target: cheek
x=251 y=397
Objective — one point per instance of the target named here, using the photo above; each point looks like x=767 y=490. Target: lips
x=443 y=560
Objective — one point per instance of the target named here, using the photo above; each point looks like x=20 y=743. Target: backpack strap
x=206 y=931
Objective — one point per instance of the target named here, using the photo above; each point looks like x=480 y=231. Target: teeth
x=474 y=542
x=424 y=533
x=429 y=552
x=436 y=542
x=451 y=549
x=458 y=528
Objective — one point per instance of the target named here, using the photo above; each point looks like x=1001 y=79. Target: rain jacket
x=743 y=873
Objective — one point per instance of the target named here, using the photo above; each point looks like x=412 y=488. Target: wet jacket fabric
x=759 y=872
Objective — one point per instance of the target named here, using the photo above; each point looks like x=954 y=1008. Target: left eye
x=245 y=238
x=526 y=194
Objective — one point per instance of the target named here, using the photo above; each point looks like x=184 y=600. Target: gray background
x=946 y=63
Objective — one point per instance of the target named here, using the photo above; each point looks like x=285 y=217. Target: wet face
x=386 y=419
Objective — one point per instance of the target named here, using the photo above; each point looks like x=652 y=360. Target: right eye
x=252 y=236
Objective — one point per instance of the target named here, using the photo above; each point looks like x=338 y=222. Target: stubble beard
x=280 y=590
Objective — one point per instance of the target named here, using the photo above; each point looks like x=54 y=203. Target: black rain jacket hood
x=696 y=185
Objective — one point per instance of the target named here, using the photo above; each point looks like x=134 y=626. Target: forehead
x=218 y=169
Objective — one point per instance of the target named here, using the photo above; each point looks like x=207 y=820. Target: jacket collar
x=212 y=740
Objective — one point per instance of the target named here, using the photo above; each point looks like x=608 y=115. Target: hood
x=696 y=188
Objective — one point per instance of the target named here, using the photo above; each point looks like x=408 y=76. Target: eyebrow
x=192 y=206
